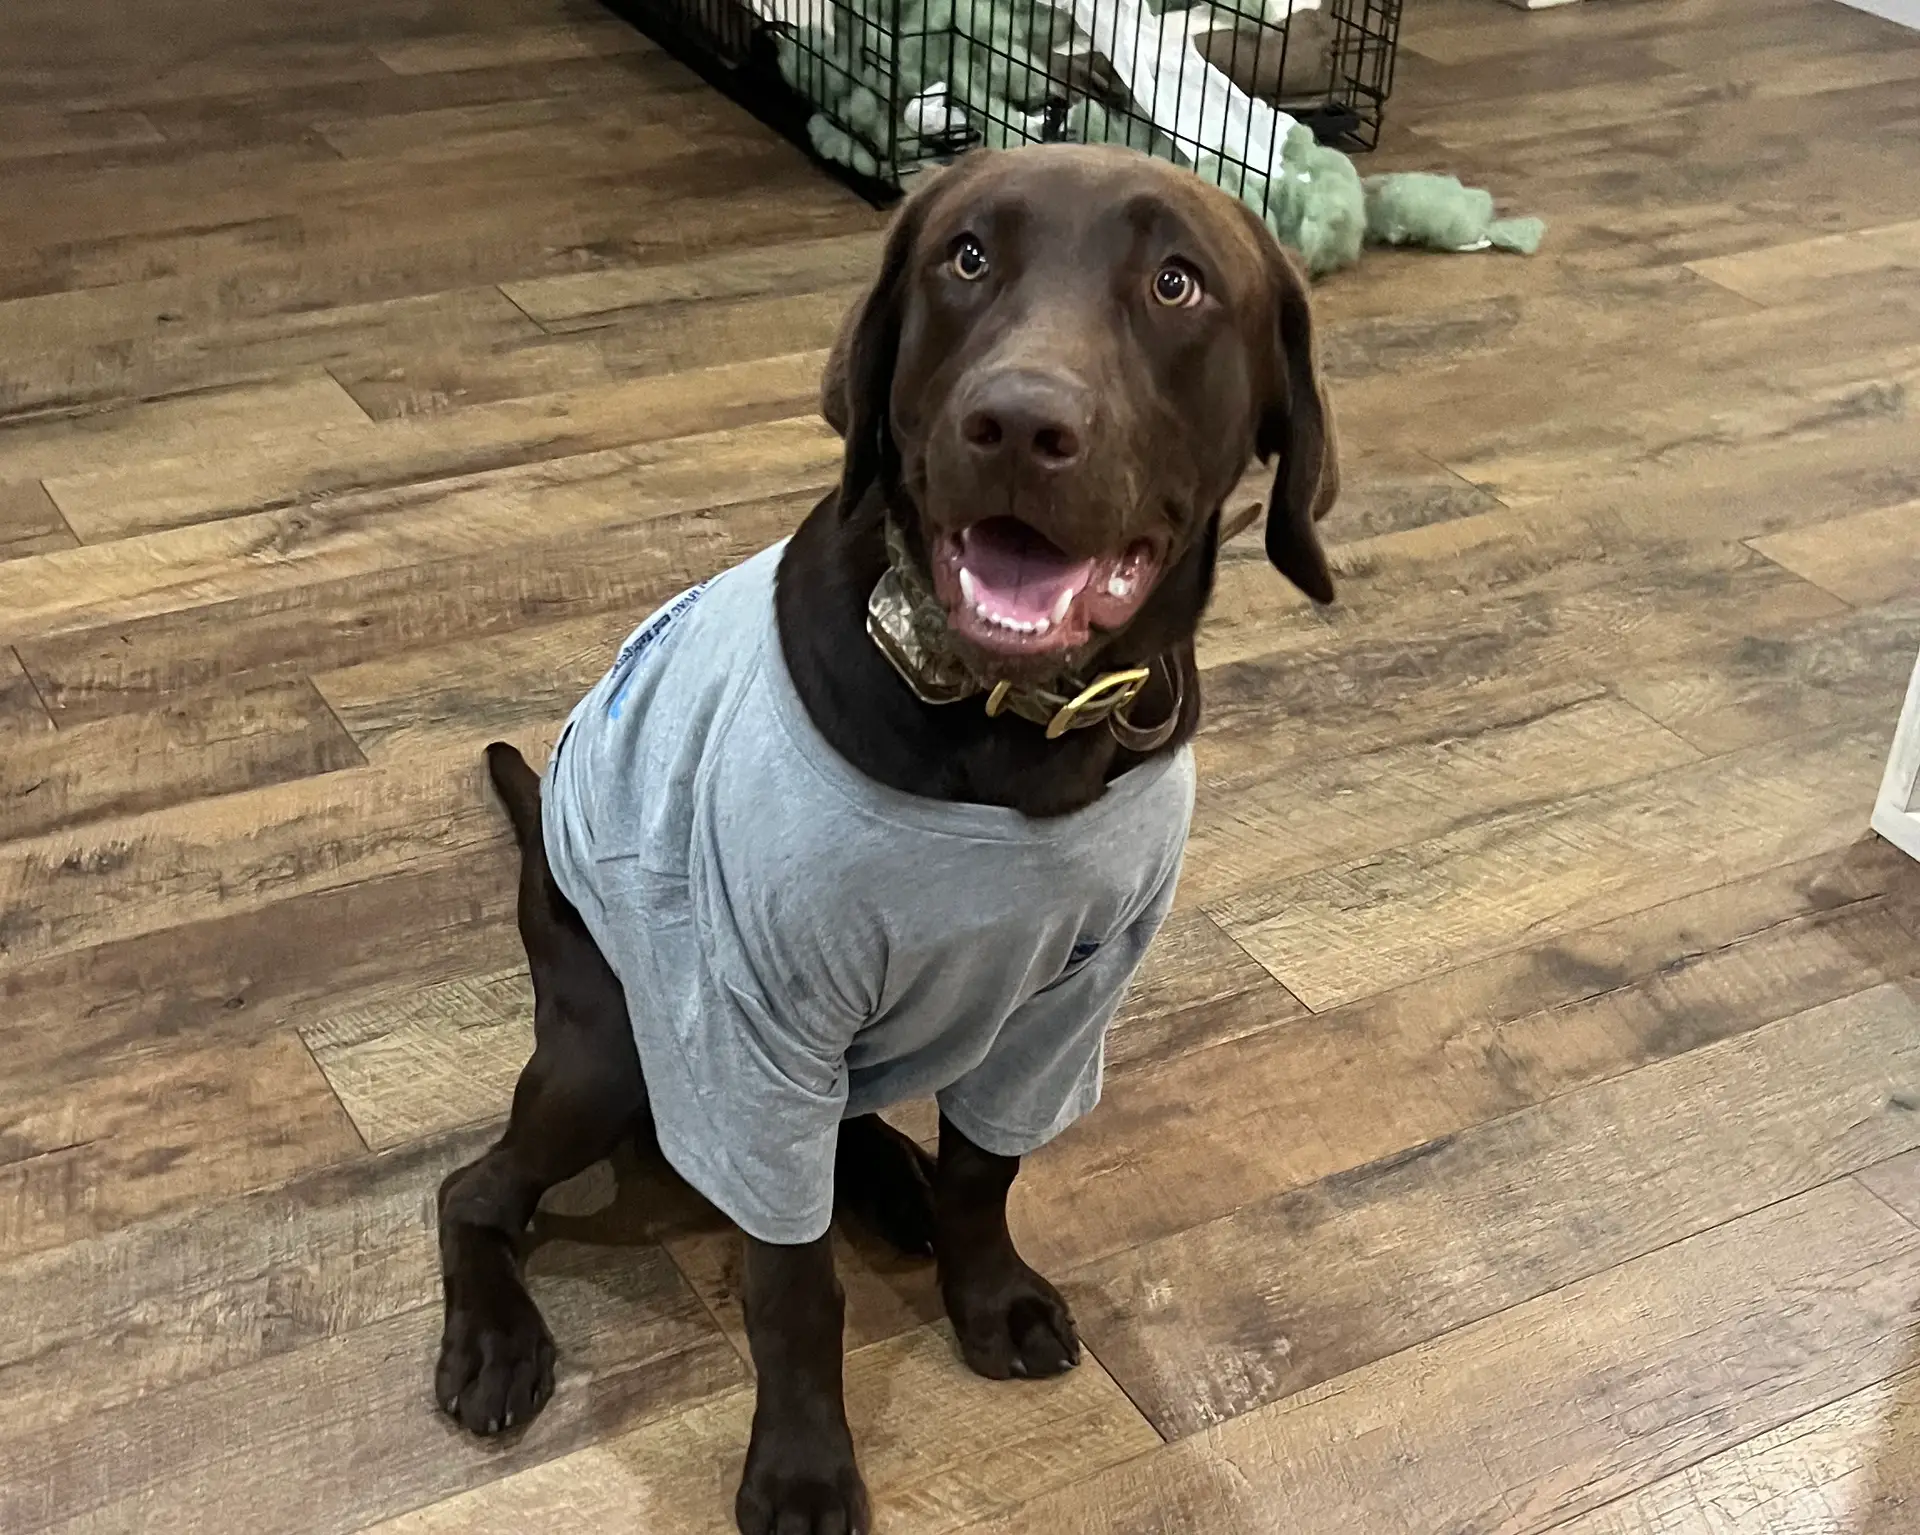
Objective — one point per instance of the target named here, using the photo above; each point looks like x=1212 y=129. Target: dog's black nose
x=1029 y=420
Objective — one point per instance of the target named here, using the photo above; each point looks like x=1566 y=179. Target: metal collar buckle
x=1100 y=699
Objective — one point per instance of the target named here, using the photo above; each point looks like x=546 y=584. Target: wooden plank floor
x=1518 y=1126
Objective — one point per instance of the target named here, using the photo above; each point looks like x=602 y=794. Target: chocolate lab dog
x=893 y=809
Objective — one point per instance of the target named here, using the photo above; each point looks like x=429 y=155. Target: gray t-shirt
x=798 y=943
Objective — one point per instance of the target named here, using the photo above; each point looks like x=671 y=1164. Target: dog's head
x=1064 y=367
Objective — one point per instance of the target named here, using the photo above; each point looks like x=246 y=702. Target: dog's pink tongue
x=1017 y=574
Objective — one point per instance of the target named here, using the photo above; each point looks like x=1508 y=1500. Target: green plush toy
x=1313 y=201
x=1414 y=208
x=987 y=63
x=1318 y=203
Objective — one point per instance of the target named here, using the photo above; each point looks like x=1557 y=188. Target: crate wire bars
x=881 y=89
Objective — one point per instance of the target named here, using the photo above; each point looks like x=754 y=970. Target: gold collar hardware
x=908 y=626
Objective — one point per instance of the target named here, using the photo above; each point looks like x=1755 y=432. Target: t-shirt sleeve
x=1044 y=1069
x=778 y=1101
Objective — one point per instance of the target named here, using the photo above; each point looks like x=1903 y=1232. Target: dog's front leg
x=1008 y=1319
x=801 y=1478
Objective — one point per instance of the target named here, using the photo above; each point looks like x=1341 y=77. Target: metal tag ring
x=1120 y=687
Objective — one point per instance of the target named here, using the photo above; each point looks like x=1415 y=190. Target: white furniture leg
x=1897 y=814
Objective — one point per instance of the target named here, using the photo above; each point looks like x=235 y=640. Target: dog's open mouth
x=1012 y=592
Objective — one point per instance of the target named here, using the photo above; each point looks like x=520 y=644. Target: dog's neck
x=908 y=624
x=871 y=717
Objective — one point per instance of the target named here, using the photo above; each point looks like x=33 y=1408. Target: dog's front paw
x=1013 y=1323
x=801 y=1486
x=496 y=1360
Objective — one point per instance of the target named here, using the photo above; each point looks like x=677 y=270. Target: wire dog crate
x=881 y=89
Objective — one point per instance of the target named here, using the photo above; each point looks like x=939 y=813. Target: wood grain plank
x=270 y=110
x=399 y=705
x=1806 y=269
x=1698 y=494
x=296 y=216
x=1574 y=320
x=532 y=677
x=429 y=1060
x=1385 y=490
x=667 y=339
x=1312 y=814
x=409 y=616
x=357 y=534
x=130 y=435
x=573 y=122
x=583 y=300
x=1897 y=1182
x=1460 y=34
x=178 y=1130
x=169 y=335
x=29 y=521
x=1364 y=926
x=139 y=68
x=292 y=1439
x=301 y=466
x=141 y=874
x=1401 y=664
x=305 y=185
x=1849 y=1468
x=513 y=218
x=1621 y=1380
x=1413 y=329
x=1195 y=988
x=1870 y=557
x=1597 y=61
x=32 y=131
x=511 y=45
x=22 y=715
x=205 y=745
x=1723 y=394
x=1507 y=301
x=1520 y=466
x=1307 y=1098
x=1280 y=1296
x=1797 y=69
x=1611 y=207
x=1854 y=31
x=1754 y=689
x=185 y=1295
x=234 y=976
x=1550 y=593
x=940 y=1448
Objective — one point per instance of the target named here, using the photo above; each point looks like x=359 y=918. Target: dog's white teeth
x=969 y=588
x=1120 y=586
x=1015 y=625
x=1060 y=607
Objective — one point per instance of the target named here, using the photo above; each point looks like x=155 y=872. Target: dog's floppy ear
x=858 y=381
x=1295 y=431
x=833 y=377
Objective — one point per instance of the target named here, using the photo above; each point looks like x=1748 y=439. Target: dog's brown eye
x=1177 y=286
x=969 y=260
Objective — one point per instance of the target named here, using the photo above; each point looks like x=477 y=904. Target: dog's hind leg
x=885 y=1181
x=579 y=1096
